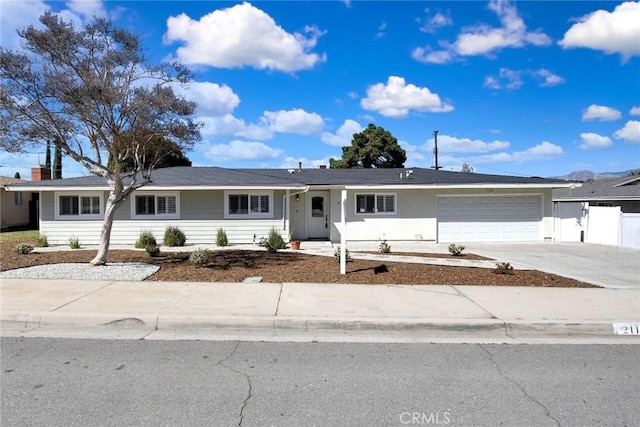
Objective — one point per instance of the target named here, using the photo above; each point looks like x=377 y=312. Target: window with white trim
x=254 y=204
x=18 y=198
x=75 y=205
x=367 y=204
x=159 y=205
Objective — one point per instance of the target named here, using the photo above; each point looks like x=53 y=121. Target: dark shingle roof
x=622 y=188
x=184 y=176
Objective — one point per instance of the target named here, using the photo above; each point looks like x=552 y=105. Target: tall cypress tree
x=57 y=162
x=47 y=163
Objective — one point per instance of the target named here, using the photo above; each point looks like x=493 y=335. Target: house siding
x=201 y=214
x=11 y=214
x=416 y=217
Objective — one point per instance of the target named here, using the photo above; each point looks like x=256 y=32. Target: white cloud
x=507 y=79
x=635 y=111
x=414 y=154
x=548 y=78
x=600 y=113
x=17 y=15
x=543 y=151
x=230 y=126
x=212 y=99
x=344 y=134
x=593 y=141
x=240 y=150
x=88 y=9
x=433 y=23
x=482 y=39
x=426 y=55
x=452 y=144
x=242 y=35
x=512 y=79
x=630 y=132
x=610 y=32
x=293 y=121
x=396 y=98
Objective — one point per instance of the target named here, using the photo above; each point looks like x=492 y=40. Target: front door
x=318 y=214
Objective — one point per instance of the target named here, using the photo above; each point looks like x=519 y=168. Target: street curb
x=150 y=322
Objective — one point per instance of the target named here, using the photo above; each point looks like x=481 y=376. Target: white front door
x=318 y=214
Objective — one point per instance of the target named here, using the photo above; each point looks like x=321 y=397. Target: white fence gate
x=603 y=226
x=630 y=230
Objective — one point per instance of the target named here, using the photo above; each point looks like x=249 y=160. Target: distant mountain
x=584 y=175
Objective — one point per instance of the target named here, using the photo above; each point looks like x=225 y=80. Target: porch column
x=343 y=232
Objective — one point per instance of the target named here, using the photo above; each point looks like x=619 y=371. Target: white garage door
x=490 y=219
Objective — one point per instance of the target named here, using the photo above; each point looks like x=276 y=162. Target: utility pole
x=435 y=149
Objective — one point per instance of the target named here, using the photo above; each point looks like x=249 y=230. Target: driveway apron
x=607 y=266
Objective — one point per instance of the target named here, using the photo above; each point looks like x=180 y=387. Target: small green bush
x=337 y=253
x=456 y=250
x=504 y=268
x=221 y=238
x=384 y=247
x=173 y=236
x=200 y=257
x=146 y=239
x=275 y=240
x=74 y=242
x=41 y=241
x=152 y=250
x=23 y=249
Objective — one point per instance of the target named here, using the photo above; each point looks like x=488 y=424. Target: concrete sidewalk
x=271 y=310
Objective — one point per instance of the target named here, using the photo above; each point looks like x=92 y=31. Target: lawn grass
x=16 y=237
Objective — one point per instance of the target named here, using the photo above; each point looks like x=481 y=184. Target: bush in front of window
x=221 y=238
x=41 y=241
x=146 y=239
x=23 y=249
x=173 y=236
x=74 y=242
x=275 y=239
x=200 y=257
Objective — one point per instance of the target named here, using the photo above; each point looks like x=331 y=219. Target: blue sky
x=534 y=88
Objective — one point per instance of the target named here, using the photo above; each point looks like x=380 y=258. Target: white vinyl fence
x=630 y=230
x=609 y=226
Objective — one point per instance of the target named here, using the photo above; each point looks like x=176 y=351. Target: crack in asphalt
x=512 y=381
x=246 y=377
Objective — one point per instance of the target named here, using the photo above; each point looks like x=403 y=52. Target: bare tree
x=467 y=168
x=92 y=92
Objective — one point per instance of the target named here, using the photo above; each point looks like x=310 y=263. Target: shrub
x=41 y=241
x=152 y=250
x=146 y=239
x=200 y=257
x=384 y=248
x=456 y=250
x=337 y=254
x=74 y=242
x=173 y=236
x=504 y=268
x=275 y=240
x=221 y=238
x=23 y=249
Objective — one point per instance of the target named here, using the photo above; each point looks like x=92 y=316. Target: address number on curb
x=626 y=328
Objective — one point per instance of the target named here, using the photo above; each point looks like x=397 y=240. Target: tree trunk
x=105 y=234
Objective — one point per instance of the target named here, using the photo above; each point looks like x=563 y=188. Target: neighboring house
x=604 y=211
x=408 y=204
x=14 y=206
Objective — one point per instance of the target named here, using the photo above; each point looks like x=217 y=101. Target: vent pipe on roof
x=300 y=166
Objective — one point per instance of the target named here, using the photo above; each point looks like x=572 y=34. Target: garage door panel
x=489 y=218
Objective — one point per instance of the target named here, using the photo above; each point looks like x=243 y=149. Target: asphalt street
x=62 y=382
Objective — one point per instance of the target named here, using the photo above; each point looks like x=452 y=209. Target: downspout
x=286 y=207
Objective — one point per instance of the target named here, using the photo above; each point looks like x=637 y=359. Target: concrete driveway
x=607 y=266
